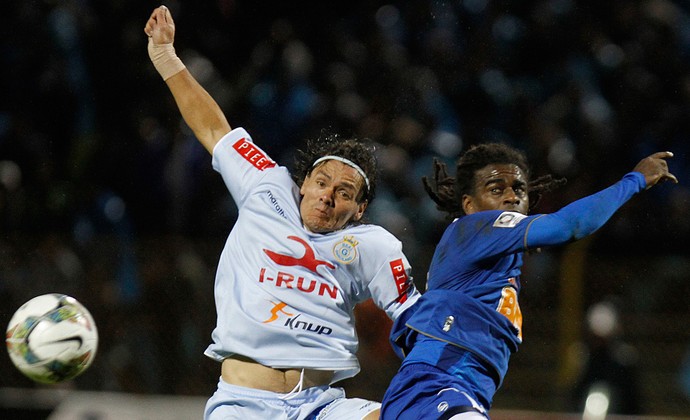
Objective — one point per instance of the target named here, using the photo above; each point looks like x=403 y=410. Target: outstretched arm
x=583 y=217
x=199 y=110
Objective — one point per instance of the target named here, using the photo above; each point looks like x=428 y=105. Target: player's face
x=329 y=197
x=498 y=187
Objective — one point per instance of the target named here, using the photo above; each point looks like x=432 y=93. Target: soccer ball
x=52 y=338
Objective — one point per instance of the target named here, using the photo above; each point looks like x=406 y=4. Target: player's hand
x=655 y=169
x=160 y=27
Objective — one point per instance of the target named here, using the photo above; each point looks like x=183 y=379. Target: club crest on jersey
x=508 y=219
x=345 y=251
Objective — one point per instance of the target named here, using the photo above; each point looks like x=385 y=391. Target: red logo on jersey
x=251 y=154
x=308 y=261
x=288 y=281
x=400 y=277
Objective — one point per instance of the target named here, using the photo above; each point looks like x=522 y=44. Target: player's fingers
x=670 y=177
x=662 y=175
x=148 y=28
x=157 y=16
x=662 y=155
x=661 y=159
x=165 y=13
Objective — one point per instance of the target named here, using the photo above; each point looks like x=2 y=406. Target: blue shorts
x=323 y=402
x=421 y=391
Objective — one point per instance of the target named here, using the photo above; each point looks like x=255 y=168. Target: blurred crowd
x=105 y=194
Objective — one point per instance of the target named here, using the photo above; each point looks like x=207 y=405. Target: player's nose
x=510 y=197
x=327 y=196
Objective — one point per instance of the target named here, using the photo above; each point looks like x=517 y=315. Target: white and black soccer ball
x=52 y=338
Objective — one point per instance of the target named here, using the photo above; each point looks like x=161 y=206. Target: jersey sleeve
x=487 y=235
x=391 y=287
x=584 y=216
x=241 y=163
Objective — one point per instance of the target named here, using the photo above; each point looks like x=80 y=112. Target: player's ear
x=468 y=204
x=360 y=211
x=302 y=187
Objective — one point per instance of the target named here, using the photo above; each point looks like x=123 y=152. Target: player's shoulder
x=370 y=240
x=374 y=234
x=495 y=218
x=237 y=147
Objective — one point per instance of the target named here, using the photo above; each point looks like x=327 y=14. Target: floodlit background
x=105 y=194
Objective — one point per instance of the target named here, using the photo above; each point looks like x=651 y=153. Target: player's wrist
x=164 y=59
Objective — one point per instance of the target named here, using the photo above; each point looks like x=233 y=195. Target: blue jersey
x=470 y=313
x=473 y=285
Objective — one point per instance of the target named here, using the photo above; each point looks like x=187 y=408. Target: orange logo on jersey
x=294 y=323
x=510 y=308
x=251 y=154
x=277 y=307
x=308 y=261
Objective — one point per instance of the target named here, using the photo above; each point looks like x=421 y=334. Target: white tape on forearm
x=164 y=59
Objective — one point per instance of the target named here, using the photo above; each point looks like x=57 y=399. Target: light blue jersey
x=285 y=296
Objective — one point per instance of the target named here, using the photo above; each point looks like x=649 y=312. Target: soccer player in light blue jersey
x=458 y=338
x=296 y=262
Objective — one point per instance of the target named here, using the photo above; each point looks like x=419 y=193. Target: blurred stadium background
x=105 y=195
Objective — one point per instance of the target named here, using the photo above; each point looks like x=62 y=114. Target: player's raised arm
x=586 y=215
x=199 y=110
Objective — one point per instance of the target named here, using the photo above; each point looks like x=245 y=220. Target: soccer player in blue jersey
x=458 y=338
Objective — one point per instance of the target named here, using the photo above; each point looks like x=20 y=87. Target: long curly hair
x=447 y=191
x=360 y=152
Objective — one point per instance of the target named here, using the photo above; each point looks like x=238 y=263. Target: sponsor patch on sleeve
x=400 y=276
x=253 y=154
x=508 y=219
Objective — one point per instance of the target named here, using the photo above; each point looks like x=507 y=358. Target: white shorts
x=316 y=403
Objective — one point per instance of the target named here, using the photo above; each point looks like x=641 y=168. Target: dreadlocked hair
x=447 y=191
x=541 y=185
x=360 y=152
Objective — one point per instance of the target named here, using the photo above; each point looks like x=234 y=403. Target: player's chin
x=318 y=225
x=516 y=209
